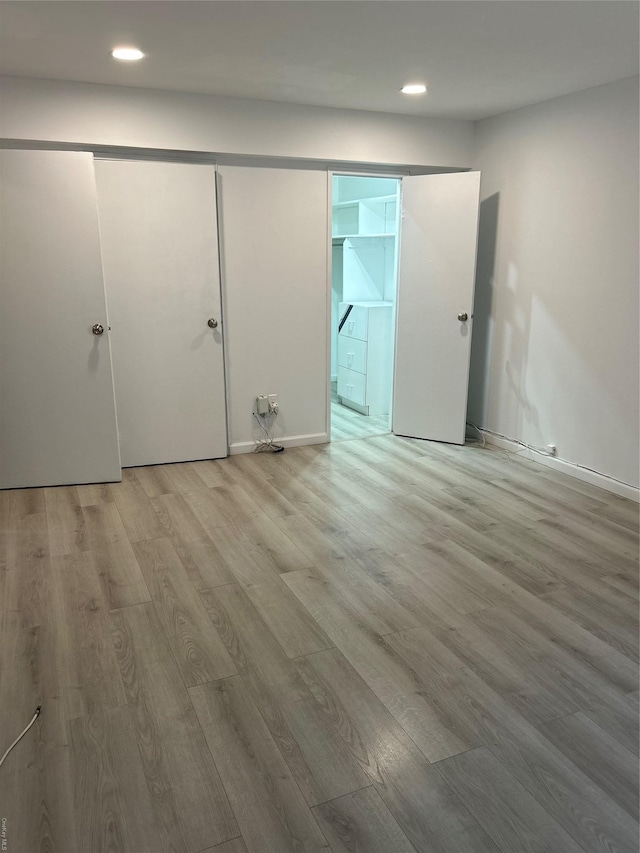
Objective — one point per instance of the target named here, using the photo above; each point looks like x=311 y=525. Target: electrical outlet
x=552 y=449
x=273 y=402
x=262 y=405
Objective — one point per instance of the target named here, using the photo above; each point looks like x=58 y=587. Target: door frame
x=383 y=172
x=353 y=173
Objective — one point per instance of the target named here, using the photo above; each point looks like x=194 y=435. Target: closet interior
x=365 y=219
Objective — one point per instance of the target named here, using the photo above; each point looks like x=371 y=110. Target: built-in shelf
x=378 y=199
x=340 y=238
x=370 y=217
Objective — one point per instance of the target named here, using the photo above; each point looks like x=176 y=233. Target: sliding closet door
x=57 y=413
x=160 y=252
x=435 y=305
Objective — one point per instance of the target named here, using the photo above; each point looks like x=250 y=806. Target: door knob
x=212 y=323
x=464 y=316
x=97 y=328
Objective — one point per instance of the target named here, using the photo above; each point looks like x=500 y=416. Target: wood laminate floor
x=378 y=645
x=346 y=423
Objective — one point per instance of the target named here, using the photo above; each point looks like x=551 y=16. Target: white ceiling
x=478 y=58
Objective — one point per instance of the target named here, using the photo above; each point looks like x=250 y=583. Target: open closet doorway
x=402 y=304
x=365 y=230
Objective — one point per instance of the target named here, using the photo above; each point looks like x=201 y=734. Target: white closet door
x=436 y=285
x=160 y=252
x=57 y=413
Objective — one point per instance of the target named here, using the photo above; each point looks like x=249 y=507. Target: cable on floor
x=21 y=735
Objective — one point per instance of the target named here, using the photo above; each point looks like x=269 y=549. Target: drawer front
x=352 y=354
x=356 y=323
x=351 y=385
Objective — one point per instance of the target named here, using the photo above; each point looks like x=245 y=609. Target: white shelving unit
x=367 y=216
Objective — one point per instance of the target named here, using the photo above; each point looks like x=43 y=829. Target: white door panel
x=57 y=413
x=160 y=253
x=436 y=283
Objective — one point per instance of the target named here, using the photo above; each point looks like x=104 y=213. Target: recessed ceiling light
x=128 y=53
x=414 y=89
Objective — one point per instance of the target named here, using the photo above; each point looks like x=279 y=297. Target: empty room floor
x=379 y=645
x=347 y=423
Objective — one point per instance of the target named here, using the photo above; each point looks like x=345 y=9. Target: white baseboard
x=287 y=441
x=585 y=474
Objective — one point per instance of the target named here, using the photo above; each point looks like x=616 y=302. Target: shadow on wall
x=482 y=316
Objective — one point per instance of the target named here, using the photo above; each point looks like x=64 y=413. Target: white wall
x=91 y=114
x=555 y=350
x=274 y=251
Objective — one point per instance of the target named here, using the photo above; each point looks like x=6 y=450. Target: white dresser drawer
x=356 y=323
x=352 y=354
x=351 y=385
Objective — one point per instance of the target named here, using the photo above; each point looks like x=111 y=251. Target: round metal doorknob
x=212 y=323
x=464 y=316
x=97 y=328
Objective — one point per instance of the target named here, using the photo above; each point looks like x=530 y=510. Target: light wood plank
x=564 y=633
x=19 y=503
x=185 y=790
x=112 y=805
x=507 y=812
x=236 y=845
x=212 y=472
x=509 y=666
x=65 y=521
x=604 y=612
x=360 y=821
x=614 y=549
x=437 y=734
x=626 y=583
x=229 y=506
x=155 y=480
x=599 y=756
x=253 y=481
x=137 y=514
x=203 y=561
x=566 y=671
x=115 y=563
x=311 y=748
x=85 y=660
x=27 y=558
x=271 y=811
x=579 y=806
x=94 y=494
x=432 y=817
x=288 y=621
x=336 y=554
x=198 y=650
x=185 y=478
x=36 y=790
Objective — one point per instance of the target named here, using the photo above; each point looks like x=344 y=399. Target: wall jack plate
x=262 y=405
